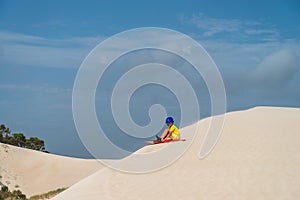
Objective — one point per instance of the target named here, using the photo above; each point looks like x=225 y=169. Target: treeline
x=19 y=140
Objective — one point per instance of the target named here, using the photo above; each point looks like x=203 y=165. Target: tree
x=18 y=139
x=18 y=195
x=4 y=189
x=35 y=144
x=4 y=132
x=4 y=192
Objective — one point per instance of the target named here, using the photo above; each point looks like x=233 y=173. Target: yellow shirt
x=175 y=132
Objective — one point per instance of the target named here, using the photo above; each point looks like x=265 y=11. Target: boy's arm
x=171 y=131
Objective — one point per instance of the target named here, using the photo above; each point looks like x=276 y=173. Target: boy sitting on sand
x=171 y=133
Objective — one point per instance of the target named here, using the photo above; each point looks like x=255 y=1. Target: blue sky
x=255 y=44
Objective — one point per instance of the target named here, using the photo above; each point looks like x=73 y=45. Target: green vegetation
x=19 y=140
x=47 y=195
x=5 y=194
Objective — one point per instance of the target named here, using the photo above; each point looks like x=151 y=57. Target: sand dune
x=257 y=157
x=36 y=172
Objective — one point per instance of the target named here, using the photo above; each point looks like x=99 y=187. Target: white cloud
x=242 y=28
x=276 y=69
x=46 y=89
x=214 y=25
x=244 y=66
x=263 y=67
x=7 y=37
x=26 y=50
x=262 y=31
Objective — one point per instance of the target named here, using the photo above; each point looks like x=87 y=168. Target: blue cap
x=169 y=120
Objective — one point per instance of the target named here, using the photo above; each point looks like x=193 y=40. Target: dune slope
x=35 y=172
x=257 y=157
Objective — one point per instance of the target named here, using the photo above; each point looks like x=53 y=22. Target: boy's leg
x=165 y=134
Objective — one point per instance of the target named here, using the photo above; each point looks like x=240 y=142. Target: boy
x=171 y=133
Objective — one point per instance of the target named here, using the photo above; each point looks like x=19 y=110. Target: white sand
x=257 y=157
x=36 y=172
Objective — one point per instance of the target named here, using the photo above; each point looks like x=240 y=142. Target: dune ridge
x=257 y=157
